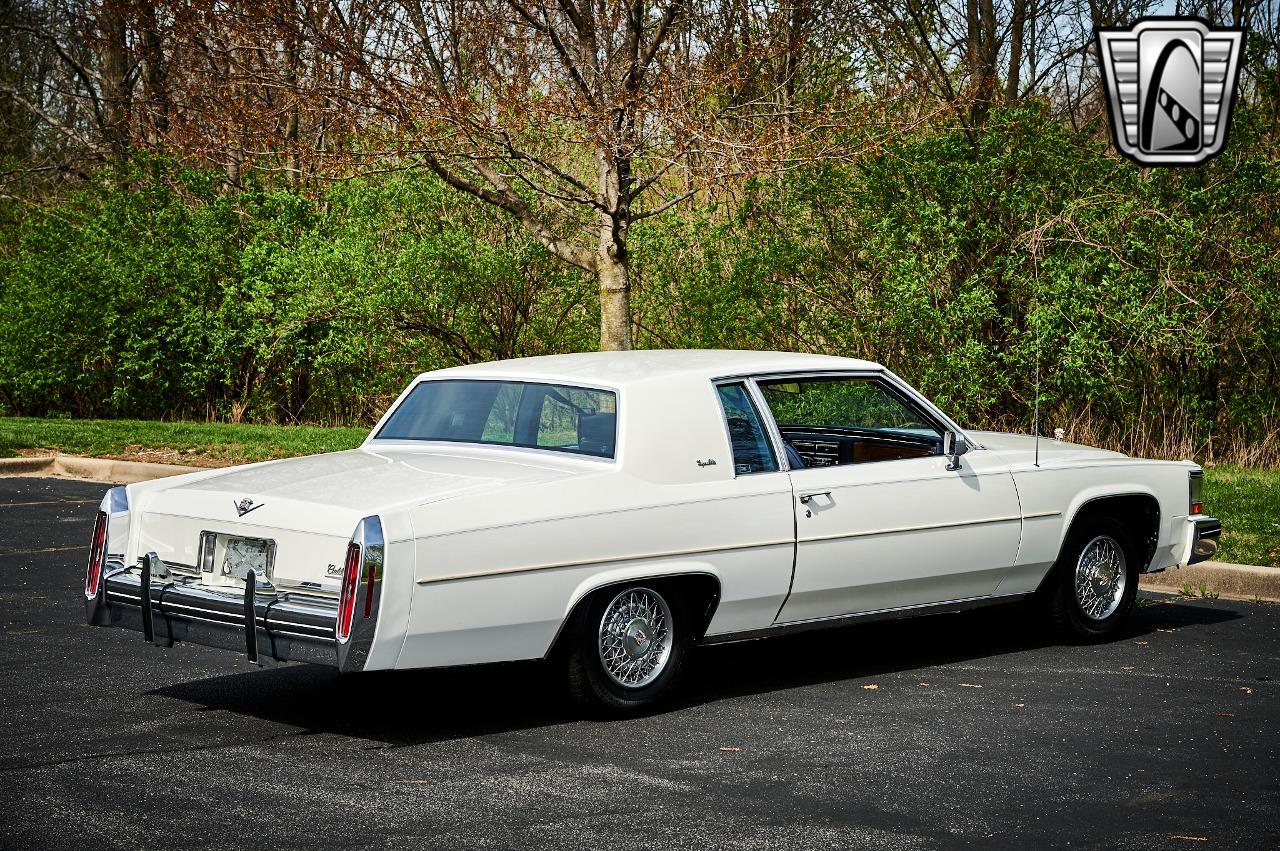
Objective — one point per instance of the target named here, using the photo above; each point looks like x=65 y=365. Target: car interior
x=833 y=421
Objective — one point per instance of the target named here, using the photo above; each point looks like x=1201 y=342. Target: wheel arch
x=697 y=583
x=1137 y=508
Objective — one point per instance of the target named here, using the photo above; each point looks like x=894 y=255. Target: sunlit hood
x=1050 y=450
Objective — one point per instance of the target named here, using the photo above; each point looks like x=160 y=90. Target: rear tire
x=626 y=649
x=1094 y=582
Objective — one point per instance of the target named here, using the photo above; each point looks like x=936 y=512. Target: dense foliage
x=1148 y=298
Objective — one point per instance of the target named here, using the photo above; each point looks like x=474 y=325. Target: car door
x=881 y=522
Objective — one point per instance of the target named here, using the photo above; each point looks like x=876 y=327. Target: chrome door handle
x=808 y=496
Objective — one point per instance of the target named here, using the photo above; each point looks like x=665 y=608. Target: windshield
x=508 y=413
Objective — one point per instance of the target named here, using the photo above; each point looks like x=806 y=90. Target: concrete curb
x=1232 y=581
x=91 y=469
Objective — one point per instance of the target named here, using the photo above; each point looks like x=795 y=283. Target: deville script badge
x=1169 y=84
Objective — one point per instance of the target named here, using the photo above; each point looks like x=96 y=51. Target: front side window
x=508 y=413
x=751 y=450
x=830 y=421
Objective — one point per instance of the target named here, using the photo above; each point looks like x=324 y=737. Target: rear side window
x=508 y=413
x=751 y=450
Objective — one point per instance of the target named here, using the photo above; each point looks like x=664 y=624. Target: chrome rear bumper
x=1204 y=539
x=280 y=626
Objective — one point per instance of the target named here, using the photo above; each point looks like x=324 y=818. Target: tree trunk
x=613 y=276
x=615 y=304
x=1033 y=18
x=115 y=84
x=1014 y=81
x=292 y=119
x=612 y=263
x=973 y=39
x=234 y=167
x=795 y=33
x=153 y=75
x=988 y=50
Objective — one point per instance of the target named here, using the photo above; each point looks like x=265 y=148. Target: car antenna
x=1035 y=409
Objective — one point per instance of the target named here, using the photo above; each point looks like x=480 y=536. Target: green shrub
x=168 y=301
x=1148 y=299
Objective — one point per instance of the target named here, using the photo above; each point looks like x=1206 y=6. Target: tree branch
x=663 y=207
x=505 y=198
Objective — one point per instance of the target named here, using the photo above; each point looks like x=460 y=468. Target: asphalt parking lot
x=969 y=730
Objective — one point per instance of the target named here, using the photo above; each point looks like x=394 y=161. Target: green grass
x=1247 y=501
x=196 y=444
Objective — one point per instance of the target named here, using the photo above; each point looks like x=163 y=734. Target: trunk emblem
x=246 y=505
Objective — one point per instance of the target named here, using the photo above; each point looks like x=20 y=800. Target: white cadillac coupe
x=609 y=511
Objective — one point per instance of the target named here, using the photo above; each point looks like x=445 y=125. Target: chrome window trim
x=930 y=409
x=926 y=408
x=770 y=425
x=766 y=422
x=375 y=445
x=375 y=438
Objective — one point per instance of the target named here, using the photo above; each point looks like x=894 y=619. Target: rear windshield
x=508 y=413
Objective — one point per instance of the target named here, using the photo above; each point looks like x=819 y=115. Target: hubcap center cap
x=638 y=641
x=1104 y=578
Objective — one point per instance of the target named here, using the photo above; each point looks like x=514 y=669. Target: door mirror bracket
x=953 y=446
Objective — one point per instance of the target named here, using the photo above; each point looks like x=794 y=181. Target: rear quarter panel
x=488 y=591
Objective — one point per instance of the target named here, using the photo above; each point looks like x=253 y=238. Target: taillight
x=350 y=582
x=1196 y=493
x=97 y=555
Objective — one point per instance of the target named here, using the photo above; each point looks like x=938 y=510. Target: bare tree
x=976 y=54
x=568 y=115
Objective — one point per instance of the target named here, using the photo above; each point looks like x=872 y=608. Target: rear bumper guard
x=264 y=626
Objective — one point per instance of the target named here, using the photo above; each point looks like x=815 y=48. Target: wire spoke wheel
x=635 y=637
x=1100 y=578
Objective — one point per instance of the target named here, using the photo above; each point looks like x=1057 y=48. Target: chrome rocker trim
x=919 y=610
x=1204 y=540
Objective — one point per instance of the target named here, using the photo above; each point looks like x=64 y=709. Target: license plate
x=243 y=554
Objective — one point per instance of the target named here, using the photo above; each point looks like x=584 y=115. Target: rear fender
x=633 y=574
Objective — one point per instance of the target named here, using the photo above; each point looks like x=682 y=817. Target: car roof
x=617 y=369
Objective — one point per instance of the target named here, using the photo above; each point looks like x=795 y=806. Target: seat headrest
x=597 y=432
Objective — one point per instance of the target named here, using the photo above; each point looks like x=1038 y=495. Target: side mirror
x=953 y=446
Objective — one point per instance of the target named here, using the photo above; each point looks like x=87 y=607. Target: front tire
x=1094 y=582
x=626 y=650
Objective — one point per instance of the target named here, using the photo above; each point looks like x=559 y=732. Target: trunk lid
x=308 y=507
